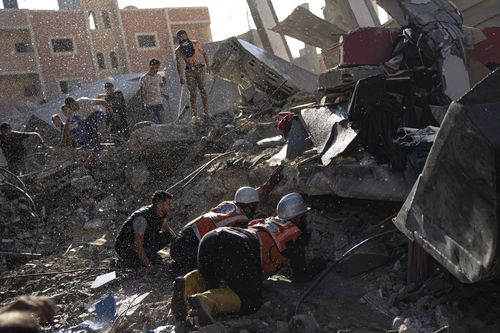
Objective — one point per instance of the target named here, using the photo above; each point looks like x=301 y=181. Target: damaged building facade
x=39 y=53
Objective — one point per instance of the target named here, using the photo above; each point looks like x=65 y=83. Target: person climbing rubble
x=236 y=213
x=242 y=258
x=13 y=148
x=145 y=232
x=190 y=51
x=84 y=110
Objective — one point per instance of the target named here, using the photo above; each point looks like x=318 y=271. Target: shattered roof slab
x=244 y=63
x=310 y=29
x=452 y=209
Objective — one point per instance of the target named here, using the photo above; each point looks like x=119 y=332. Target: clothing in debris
x=14 y=150
x=184 y=248
x=146 y=222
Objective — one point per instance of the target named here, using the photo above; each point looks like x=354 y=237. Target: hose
x=332 y=265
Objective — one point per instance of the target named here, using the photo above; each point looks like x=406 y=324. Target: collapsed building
x=373 y=132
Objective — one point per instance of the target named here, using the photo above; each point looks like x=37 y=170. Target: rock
x=303 y=323
x=137 y=175
x=82 y=184
x=107 y=204
x=156 y=140
x=93 y=224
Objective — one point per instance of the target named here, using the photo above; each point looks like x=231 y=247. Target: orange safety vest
x=226 y=214
x=273 y=235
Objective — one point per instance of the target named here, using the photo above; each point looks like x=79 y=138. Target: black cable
x=332 y=265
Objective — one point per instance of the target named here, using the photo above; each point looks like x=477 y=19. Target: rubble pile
x=353 y=142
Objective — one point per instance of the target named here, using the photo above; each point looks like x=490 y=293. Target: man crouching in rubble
x=145 y=232
x=242 y=258
x=236 y=213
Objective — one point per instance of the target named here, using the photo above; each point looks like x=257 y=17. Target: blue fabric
x=156 y=112
x=78 y=130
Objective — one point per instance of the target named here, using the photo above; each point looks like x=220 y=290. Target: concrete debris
x=303 y=323
x=246 y=65
x=83 y=184
x=303 y=25
x=467 y=258
x=101 y=280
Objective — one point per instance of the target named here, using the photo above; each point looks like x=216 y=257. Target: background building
x=44 y=54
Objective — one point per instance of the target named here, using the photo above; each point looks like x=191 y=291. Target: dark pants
x=195 y=79
x=119 y=125
x=227 y=256
x=184 y=250
x=92 y=127
x=151 y=247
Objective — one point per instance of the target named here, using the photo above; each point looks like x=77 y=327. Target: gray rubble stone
x=82 y=184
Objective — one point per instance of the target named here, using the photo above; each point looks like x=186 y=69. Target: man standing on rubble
x=236 y=213
x=151 y=92
x=13 y=148
x=116 y=118
x=191 y=51
x=145 y=232
x=242 y=258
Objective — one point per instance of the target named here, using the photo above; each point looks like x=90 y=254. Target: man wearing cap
x=242 y=258
x=12 y=144
x=151 y=92
x=191 y=51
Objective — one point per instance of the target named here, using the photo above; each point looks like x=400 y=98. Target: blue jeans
x=156 y=112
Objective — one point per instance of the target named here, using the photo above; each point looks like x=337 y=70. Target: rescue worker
x=236 y=213
x=145 y=232
x=191 y=51
x=243 y=258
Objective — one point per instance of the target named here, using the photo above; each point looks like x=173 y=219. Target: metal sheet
x=452 y=209
x=245 y=64
x=298 y=140
x=329 y=130
x=303 y=25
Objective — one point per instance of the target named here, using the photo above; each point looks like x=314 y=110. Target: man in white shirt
x=85 y=109
x=152 y=96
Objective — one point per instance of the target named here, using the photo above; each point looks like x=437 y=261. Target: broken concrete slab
x=303 y=25
x=158 y=139
x=372 y=182
x=245 y=64
x=452 y=208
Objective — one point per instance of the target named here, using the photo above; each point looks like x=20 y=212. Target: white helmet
x=246 y=195
x=290 y=206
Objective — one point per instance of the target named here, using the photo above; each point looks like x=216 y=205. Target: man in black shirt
x=116 y=118
x=145 y=232
x=13 y=148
